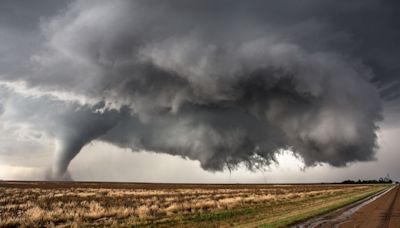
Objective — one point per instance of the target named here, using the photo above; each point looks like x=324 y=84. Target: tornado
x=221 y=82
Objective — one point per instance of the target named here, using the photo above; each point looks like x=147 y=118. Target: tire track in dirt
x=390 y=212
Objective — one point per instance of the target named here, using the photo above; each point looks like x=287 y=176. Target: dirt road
x=384 y=211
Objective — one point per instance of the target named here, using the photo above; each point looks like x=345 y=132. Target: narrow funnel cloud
x=65 y=152
x=81 y=128
x=221 y=82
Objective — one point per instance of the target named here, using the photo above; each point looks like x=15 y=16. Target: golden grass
x=75 y=206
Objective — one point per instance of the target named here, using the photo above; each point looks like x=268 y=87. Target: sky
x=199 y=91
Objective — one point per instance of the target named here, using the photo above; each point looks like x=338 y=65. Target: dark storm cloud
x=25 y=15
x=20 y=34
x=222 y=82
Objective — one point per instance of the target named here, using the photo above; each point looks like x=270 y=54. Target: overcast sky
x=199 y=91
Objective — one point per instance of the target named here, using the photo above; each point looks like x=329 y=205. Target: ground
x=164 y=205
x=380 y=211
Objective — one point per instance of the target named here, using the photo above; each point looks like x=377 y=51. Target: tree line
x=382 y=180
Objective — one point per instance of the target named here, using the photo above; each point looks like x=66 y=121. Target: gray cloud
x=221 y=82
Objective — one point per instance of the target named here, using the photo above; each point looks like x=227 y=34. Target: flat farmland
x=80 y=204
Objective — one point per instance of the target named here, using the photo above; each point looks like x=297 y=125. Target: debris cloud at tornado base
x=220 y=82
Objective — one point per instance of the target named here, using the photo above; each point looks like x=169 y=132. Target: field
x=163 y=205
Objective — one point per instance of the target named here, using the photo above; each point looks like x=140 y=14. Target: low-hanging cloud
x=220 y=82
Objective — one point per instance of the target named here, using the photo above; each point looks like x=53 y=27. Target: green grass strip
x=320 y=211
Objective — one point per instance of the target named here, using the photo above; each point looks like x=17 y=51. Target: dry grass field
x=164 y=205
